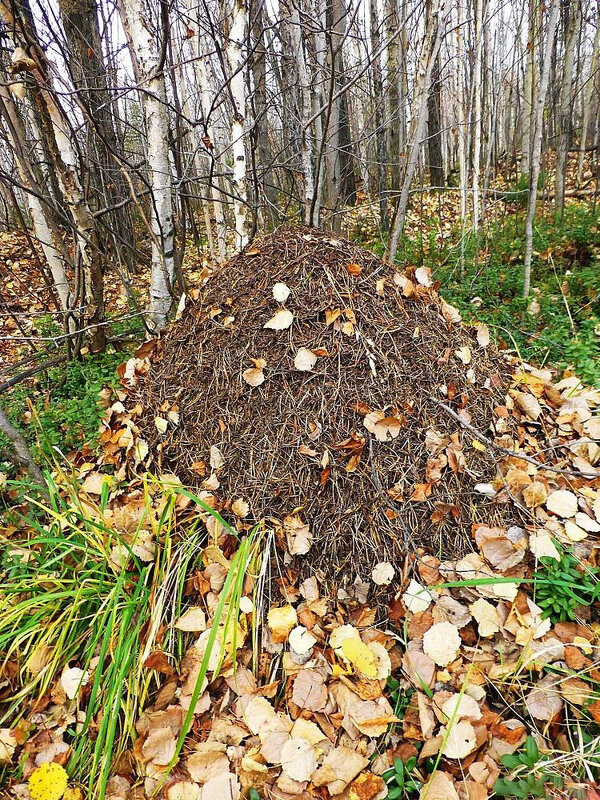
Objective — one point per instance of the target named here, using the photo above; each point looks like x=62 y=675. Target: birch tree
x=536 y=148
x=436 y=22
x=573 y=13
x=149 y=68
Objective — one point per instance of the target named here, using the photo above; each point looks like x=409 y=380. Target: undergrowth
x=559 y=324
x=77 y=591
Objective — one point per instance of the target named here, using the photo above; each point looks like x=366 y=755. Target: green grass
x=64 y=601
x=565 y=332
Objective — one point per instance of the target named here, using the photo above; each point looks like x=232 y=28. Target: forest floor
x=135 y=662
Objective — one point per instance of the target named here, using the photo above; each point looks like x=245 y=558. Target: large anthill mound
x=342 y=429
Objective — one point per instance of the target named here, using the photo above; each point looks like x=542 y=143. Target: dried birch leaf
x=442 y=643
x=280 y=321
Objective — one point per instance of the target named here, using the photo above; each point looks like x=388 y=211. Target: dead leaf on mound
x=442 y=643
x=298 y=535
x=280 y=321
x=383 y=573
x=281 y=621
x=483 y=334
x=562 y=502
x=305 y=360
x=253 y=376
x=449 y=312
x=487 y=617
x=384 y=428
x=281 y=292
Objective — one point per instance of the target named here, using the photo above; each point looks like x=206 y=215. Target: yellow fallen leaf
x=359 y=655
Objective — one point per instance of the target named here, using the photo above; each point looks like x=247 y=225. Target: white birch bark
x=40 y=216
x=306 y=145
x=536 y=149
x=237 y=88
x=146 y=56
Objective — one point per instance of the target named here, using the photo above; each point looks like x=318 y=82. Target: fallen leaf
x=562 y=502
x=298 y=759
x=423 y=276
x=298 y=535
x=159 y=747
x=340 y=766
x=161 y=424
x=357 y=653
x=72 y=679
x=194 y=619
x=383 y=573
x=305 y=360
x=483 y=334
x=253 y=376
x=487 y=617
x=281 y=292
x=416 y=598
x=309 y=690
x=240 y=507
x=439 y=787
x=280 y=321
x=281 y=621
x=464 y=354
x=544 y=702
x=460 y=740
x=354 y=269
x=528 y=404
x=441 y=643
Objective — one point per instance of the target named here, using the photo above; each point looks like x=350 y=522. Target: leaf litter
x=446 y=657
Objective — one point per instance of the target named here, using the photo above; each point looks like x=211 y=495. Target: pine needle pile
x=312 y=386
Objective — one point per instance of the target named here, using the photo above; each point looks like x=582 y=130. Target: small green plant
x=399 y=697
x=561 y=586
x=530 y=775
x=403 y=778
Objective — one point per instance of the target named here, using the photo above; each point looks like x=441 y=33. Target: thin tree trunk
x=237 y=88
x=565 y=110
x=536 y=150
x=431 y=45
x=22 y=454
x=149 y=68
x=587 y=100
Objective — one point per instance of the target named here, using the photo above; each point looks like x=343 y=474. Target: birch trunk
x=306 y=147
x=476 y=120
x=536 y=150
x=566 y=102
x=150 y=74
x=237 y=88
x=587 y=100
x=44 y=228
x=429 y=51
